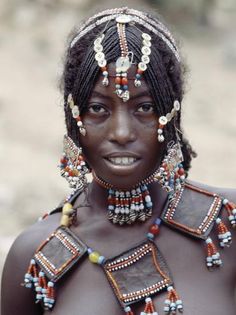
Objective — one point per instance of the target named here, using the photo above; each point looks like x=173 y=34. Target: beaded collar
x=45 y=269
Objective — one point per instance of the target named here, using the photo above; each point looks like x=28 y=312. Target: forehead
x=109 y=91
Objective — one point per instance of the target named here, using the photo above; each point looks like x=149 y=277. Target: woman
x=142 y=223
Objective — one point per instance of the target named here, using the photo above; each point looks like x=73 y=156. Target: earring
x=76 y=114
x=163 y=120
x=73 y=167
x=171 y=174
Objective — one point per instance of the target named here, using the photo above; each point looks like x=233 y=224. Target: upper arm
x=16 y=299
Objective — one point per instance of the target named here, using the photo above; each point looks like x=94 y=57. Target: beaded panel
x=193 y=211
x=59 y=253
x=138 y=273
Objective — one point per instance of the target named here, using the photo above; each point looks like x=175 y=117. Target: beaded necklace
x=140 y=272
x=144 y=256
x=128 y=206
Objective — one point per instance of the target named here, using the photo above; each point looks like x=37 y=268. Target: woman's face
x=121 y=143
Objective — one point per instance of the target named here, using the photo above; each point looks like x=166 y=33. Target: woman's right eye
x=96 y=108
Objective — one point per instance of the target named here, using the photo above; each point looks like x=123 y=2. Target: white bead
x=137 y=83
x=79 y=123
x=145 y=59
x=147 y=43
x=99 y=56
x=218 y=220
x=98 y=48
x=163 y=120
x=225 y=201
x=146 y=36
x=146 y=50
x=102 y=63
x=208 y=240
x=147 y=198
x=160 y=131
x=161 y=138
x=98 y=41
x=75 y=111
x=142 y=66
x=176 y=105
x=123 y=18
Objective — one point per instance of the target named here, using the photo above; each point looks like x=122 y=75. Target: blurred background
x=32 y=40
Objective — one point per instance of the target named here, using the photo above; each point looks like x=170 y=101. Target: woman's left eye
x=146 y=108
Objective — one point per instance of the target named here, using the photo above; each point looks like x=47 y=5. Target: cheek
x=90 y=143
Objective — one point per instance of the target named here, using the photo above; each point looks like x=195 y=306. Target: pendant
x=129 y=206
x=138 y=274
x=57 y=255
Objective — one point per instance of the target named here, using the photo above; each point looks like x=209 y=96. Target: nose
x=121 y=127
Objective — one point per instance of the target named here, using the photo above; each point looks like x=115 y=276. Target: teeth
x=122 y=160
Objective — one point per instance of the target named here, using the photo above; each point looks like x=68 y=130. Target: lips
x=122 y=160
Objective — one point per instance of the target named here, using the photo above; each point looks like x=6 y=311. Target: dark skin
x=126 y=128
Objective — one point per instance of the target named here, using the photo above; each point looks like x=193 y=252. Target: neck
x=98 y=197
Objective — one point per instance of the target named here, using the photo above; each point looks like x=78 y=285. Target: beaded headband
x=138 y=17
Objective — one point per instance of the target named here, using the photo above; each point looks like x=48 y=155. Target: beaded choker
x=131 y=205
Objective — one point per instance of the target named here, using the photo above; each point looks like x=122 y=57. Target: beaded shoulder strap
x=70 y=199
x=198 y=219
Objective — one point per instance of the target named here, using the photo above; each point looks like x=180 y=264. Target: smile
x=124 y=160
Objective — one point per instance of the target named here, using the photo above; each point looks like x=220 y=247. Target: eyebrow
x=141 y=94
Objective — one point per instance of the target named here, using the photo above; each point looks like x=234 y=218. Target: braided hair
x=164 y=75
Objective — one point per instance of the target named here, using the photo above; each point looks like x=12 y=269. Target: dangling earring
x=76 y=114
x=73 y=167
x=171 y=174
x=163 y=120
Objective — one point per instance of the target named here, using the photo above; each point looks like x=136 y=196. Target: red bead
x=117 y=80
x=164 y=165
x=154 y=229
x=124 y=81
x=63 y=160
x=181 y=171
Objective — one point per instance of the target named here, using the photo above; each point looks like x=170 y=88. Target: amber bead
x=124 y=81
x=117 y=80
x=154 y=229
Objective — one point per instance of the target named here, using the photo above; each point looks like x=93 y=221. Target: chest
x=85 y=290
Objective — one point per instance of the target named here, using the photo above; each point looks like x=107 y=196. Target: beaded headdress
x=125 y=17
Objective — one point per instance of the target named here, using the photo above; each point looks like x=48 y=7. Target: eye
x=96 y=109
x=146 y=108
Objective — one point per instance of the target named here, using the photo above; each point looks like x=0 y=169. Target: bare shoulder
x=16 y=266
